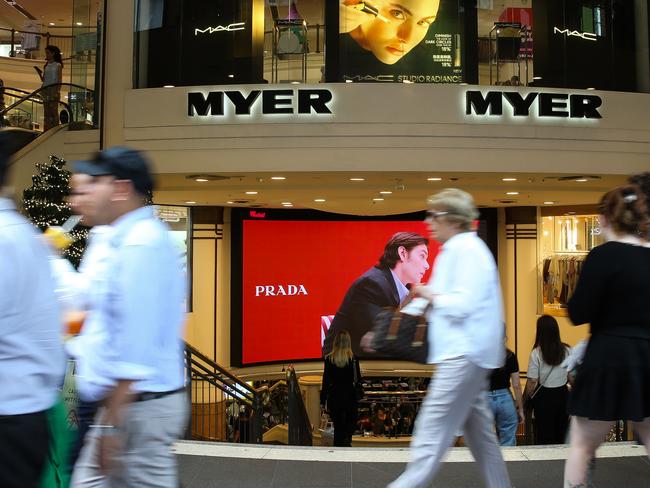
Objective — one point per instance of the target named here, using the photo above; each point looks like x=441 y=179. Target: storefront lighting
x=201 y=180
x=591 y=88
x=168 y=86
x=512 y=193
x=251 y=193
x=278 y=178
x=357 y=179
x=508 y=179
x=348 y=81
x=319 y=200
x=434 y=179
x=231 y=76
x=537 y=77
x=385 y=192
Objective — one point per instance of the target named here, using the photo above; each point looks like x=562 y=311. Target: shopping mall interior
x=287 y=149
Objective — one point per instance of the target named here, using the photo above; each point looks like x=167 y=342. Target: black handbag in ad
x=400 y=336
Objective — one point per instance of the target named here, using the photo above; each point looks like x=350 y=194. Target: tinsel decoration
x=45 y=203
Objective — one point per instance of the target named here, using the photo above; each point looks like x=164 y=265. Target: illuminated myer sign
x=548 y=104
x=221 y=28
x=302 y=101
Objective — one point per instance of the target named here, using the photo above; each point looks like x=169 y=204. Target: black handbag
x=359 y=392
x=400 y=336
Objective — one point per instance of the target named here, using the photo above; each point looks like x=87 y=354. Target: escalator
x=22 y=114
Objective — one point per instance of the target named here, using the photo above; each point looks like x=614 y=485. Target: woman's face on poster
x=405 y=26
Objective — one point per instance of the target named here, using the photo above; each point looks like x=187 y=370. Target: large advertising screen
x=293 y=277
x=418 y=41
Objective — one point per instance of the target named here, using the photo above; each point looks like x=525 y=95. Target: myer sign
x=532 y=104
x=299 y=102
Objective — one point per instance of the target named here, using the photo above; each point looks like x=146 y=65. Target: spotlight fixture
x=434 y=179
x=378 y=199
x=581 y=180
x=201 y=180
x=251 y=193
x=190 y=202
x=508 y=179
x=357 y=179
x=549 y=203
x=319 y=200
x=385 y=192
x=512 y=193
x=287 y=203
x=278 y=178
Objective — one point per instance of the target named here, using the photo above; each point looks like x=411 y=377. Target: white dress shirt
x=138 y=302
x=31 y=352
x=402 y=291
x=467 y=314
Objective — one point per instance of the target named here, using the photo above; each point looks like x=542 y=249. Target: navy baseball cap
x=122 y=163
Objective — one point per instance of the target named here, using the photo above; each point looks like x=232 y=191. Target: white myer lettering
x=587 y=36
x=280 y=290
x=306 y=101
x=221 y=28
x=548 y=104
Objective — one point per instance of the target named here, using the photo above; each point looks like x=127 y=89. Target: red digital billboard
x=295 y=275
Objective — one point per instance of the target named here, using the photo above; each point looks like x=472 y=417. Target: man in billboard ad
x=416 y=41
x=403 y=263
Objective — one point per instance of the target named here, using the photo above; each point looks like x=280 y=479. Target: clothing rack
x=560 y=275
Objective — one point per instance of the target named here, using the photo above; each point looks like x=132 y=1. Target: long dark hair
x=548 y=340
x=56 y=53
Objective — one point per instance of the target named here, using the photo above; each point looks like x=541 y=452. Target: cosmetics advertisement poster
x=295 y=275
x=417 y=41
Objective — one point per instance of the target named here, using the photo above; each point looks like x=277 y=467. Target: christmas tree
x=45 y=203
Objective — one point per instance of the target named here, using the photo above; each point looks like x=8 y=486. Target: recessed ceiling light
x=434 y=179
x=251 y=193
x=201 y=180
x=512 y=193
x=508 y=179
x=52 y=23
x=231 y=76
x=549 y=203
x=287 y=203
x=168 y=86
x=377 y=199
x=385 y=192
x=278 y=178
x=348 y=81
x=581 y=180
x=229 y=202
x=79 y=23
x=357 y=179
x=319 y=200
x=190 y=202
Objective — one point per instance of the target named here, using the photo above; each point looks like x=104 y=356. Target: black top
x=337 y=389
x=366 y=297
x=613 y=291
x=500 y=379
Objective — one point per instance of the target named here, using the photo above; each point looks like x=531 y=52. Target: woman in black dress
x=338 y=393
x=613 y=381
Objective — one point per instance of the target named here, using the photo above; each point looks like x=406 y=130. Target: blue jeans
x=505 y=415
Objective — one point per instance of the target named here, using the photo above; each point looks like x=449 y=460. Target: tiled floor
x=222 y=471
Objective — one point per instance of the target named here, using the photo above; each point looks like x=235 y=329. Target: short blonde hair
x=458 y=203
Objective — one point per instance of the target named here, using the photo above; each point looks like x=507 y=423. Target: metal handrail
x=36 y=92
x=300 y=428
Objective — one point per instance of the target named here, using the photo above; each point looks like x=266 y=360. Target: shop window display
x=566 y=241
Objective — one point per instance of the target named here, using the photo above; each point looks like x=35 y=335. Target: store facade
x=434 y=111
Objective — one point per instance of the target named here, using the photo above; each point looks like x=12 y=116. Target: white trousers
x=149 y=431
x=456 y=400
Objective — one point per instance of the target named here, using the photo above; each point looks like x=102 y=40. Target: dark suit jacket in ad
x=368 y=295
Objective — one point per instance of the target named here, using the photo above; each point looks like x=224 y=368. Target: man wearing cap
x=135 y=367
x=31 y=352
